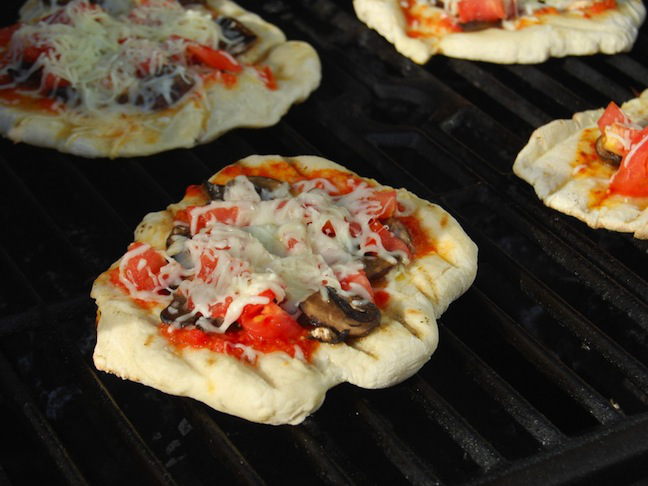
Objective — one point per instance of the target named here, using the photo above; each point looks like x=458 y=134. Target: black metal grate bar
x=220 y=446
x=34 y=317
x=546 y=362
x=25 y=406
x=324 y=465
x=479 y=449
x=105 y=402
x=395 y=450
x=528 y=417
x=584 y=456
x=596 y=80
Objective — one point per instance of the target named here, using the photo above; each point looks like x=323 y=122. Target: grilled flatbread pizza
x=119 y=78
x=594 y=166
x=277 y=279
x=504 y=31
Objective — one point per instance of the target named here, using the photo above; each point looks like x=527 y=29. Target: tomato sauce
x=422 y=244
x=224 y=343
x=13 y=97
x=381 y=298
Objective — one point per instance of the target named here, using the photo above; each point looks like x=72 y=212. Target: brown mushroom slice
x=399 y=230
x=607 y=156
x=237 y=38
x=343 y=317
x=268 y=188
x=177 y=309
x=216 y=192
x=376 y=267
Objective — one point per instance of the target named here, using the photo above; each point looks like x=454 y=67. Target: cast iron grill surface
x=541 y=376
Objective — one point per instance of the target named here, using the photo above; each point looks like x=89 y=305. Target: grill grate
x=541 y=376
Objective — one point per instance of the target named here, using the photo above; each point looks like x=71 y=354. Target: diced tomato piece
x=32 y=53
x=269 y=322
x=51 y=81
x=7 y=32
x=219 y=310
x=252 y=309
x=389 y=241
x=632 y=177
x=359 y=278
x=481 y=10
x=387 y=200
x=612 y=114
x=214 y=58
x=144 y=275
x=328 y=229
x=223 y=215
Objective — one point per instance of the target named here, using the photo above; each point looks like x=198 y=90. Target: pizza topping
x=236 y=37
x=147 y=54
x=632 y=177
x=337 y=318
x=624 y=144
x=433 y=18
x=606 y=155
x=262 y=254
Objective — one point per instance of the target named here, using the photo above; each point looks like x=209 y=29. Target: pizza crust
x=547 y=162
x=611 y=32
x=195 y=120
x=280 y=389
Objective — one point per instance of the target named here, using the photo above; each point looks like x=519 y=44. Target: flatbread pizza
x=277 y=279
x=504 y=31
x=120 y=78
x=594 y=166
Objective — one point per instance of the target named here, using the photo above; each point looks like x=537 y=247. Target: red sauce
x=223 y=343
x=422 y=244
x=12 y=97
x=194 y=191
x=381 y=298
x=600 y=7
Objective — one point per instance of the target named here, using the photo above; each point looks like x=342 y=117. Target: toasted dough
x=560 y=35
x=199 y=117
x=279 y=389
x=549 y=162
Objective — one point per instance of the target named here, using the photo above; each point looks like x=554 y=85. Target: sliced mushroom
x=216 y=192
x=376 y=267
x=607 y=156
x=237 y=37
x=268 y=188
x=178 y=308
x=477 y=25
x=341 y=317
x=399 y=230
x=178 y=231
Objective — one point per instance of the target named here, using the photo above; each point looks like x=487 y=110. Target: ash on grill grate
x=541 y=376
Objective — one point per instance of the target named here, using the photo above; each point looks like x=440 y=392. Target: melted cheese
x=119 y=51
x=277 y=245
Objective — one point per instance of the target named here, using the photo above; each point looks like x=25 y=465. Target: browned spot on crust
x=444 y=221
x=587 y=162
x=148 y=341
